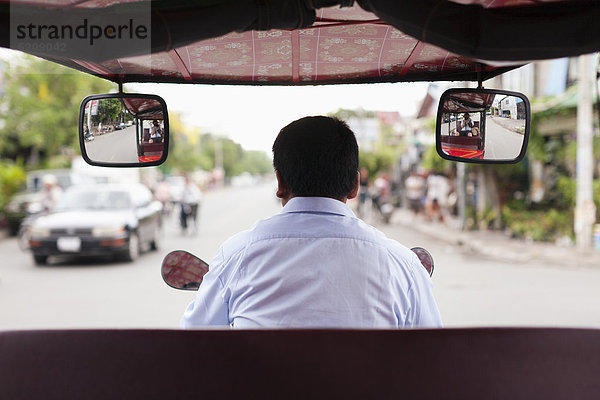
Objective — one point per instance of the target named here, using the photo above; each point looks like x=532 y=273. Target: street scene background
x=514 y=245
x=474 y=284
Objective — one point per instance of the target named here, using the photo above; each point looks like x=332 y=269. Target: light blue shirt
x=314 y=265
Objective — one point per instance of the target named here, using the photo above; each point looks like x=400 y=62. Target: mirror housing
x=124 y=130
x=485 y=126
x=426 y=259
x=183 y=270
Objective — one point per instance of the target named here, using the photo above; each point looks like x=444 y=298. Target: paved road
x=501 y=143
x=471 y=290
x=117 y=146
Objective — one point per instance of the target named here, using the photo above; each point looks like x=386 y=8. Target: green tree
x=191 y=150
x=256 y=163
x=185 y=146
x=109 y=109
x=39 y=111
x=345 y=114
x=431 y=161
x=377 y=161
x=12 y=177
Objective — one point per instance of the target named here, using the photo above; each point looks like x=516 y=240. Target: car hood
x=86 y=219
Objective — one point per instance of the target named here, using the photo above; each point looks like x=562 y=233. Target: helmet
x=49 y=179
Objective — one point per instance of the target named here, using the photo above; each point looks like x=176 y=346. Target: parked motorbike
x=185 y=271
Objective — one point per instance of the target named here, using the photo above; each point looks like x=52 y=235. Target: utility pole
x=461 y=193
x=585 y=210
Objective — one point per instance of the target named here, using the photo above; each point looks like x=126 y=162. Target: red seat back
x=306 y=364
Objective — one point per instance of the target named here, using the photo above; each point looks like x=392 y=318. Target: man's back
x=314 y=265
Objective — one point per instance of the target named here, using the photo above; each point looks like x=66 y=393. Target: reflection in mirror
x=182 y=270
x=123 y=130
x=426 y=259
x=488 y=125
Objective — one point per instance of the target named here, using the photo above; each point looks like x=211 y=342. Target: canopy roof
x=468 y=102
x=143 y=108
x=299 y=43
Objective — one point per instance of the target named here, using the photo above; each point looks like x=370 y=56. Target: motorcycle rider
x=189 y=205
x=314 y=265
x=51 y=193
x=382 y=196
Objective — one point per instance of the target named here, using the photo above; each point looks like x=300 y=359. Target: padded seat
x=494 y=363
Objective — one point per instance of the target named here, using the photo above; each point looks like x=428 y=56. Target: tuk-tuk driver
x=315 y=264
x=465 y=126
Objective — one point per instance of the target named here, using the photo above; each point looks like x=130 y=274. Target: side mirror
x=124 y=130
x=426 y=259
x=482 y=126
x=183 y=270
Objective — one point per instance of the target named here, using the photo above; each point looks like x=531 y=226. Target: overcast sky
x=252 y=116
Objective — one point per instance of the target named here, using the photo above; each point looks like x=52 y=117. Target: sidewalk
x=497 y=245
x=510 y=124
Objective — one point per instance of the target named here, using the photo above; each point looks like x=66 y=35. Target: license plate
x=69 y=244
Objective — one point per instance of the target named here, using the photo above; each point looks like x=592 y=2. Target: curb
x=498 y=246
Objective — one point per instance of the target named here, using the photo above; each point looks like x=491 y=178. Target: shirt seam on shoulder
x=219 y=276
x=287 y=236
x=411 y=285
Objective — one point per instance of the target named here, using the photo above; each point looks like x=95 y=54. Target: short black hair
x=317 y=157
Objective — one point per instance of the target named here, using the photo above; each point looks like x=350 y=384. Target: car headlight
x=108 y=231
x=39 y=232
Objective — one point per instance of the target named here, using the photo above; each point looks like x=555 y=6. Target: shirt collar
x=317 y=204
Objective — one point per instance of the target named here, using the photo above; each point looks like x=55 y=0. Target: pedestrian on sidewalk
x=415 y=190
x=438 y=190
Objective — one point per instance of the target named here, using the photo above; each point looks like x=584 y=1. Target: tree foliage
x=109 y=110
x=255 y=162
x=191 y=150
x=345 y=114
x=12 y=177
x=40 y=108
x=431 y=161
x=377 y=161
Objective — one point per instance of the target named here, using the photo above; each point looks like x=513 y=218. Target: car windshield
x=94 y=200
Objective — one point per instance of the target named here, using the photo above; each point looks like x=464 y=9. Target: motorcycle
x=184 y=271
x=385 y=208
x=33 y=211
x=188 y=217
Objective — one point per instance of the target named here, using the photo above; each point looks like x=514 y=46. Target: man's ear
x=282 y=190
x=354 y=191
